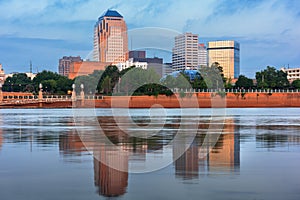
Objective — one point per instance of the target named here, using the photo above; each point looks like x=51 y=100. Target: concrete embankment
x=198 y=100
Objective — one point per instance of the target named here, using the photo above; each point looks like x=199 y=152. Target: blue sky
x=45 y=30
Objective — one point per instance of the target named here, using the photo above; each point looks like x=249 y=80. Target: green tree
x=106 y=85
x=52 y=82
x=296 y=84
x=112 y=72
x=213 y=76
x=199 y=83
x=18 y=83
x=271 y=78
x=49 y=86
x=244 y=82
x=137 y=79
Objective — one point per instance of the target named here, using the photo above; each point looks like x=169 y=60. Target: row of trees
x=53 y=83
x=137 y=81
x=269 y=78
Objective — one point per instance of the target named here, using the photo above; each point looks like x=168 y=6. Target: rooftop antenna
x=30 y=70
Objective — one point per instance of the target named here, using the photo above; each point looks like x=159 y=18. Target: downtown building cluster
x=110 y=47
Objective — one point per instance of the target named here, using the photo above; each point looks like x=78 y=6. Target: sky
x=44 y=31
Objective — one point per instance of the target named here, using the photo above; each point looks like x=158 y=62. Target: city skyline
x=47 y=30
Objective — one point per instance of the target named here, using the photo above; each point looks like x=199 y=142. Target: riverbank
x=198 y=100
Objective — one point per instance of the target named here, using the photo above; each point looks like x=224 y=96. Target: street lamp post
x=82 y=94
x=40 y=92
x=73 y=92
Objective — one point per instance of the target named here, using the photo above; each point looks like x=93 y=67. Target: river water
x=150 y=154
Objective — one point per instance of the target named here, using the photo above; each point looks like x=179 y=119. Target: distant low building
x=65 y=62
x=167 y=69
x=28 y=74
x=292 y=73
x=153 y=63
x=129 y=63
x=85 y=68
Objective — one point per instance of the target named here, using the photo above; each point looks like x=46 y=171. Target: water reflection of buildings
x=187 y=165
x=109 y=181
x=223 y=157
x=1 y=139
x=71 y=144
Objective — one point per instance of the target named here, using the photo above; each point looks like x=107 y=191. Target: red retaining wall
x=202 y=100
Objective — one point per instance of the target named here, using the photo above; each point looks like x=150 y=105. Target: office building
x=130 y=62
x=152 y=63
x=110 y=38
x=227 y=54
x=64 y=64
x=167 y=69
x=185 y=52
x=292 y=73
x=84 y=68
x=202 y=55
x=137 y=54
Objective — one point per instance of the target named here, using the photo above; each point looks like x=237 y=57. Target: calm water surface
x=253 y=154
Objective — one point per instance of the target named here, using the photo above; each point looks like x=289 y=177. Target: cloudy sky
x=45 y=30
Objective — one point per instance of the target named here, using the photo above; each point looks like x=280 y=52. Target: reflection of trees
x=271 y=140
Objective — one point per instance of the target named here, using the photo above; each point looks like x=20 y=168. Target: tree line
x=137 y=81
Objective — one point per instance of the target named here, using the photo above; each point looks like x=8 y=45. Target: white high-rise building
x=202 y=52
x=185 y=52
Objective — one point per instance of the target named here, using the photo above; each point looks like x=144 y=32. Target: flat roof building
x=202 y=52
x=292 y=73
x=152 y=63
x=185 y=52
x=84 y=68
x=227 y=54
x=65 y=62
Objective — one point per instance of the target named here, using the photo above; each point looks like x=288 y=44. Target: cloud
x=267 y=30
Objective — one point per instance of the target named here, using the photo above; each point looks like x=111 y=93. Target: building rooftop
x=110 y=13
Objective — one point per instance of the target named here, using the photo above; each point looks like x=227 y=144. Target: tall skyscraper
x=227 y=54
x=202 y=52
x=185 y=52
x=110 y=38
x=64 y=64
